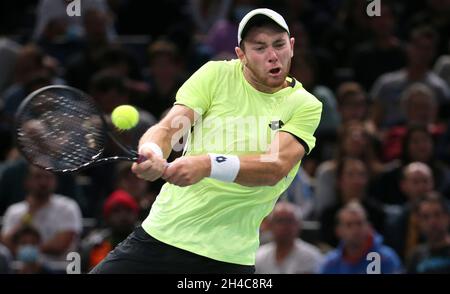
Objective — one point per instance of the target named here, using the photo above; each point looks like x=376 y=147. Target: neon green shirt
x=216 y=219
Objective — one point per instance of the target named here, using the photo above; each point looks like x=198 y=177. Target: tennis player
x=249 y=126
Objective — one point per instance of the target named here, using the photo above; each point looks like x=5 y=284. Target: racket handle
x=141 y=159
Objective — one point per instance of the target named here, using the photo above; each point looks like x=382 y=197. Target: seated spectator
x=402 y=231
x=287 y=254
x=421 y=108
x=353 y=141
x=33 y=69
x=382 y=53
x=53 y=22
x=56 y=217
x=12 y=176
x=357 y=240
x=387 y=88
x=352 y=178
x=434 y=222
x=26 y=245
x=164 y=74
x=353 y=104
x=417 y=145
x=120 y=213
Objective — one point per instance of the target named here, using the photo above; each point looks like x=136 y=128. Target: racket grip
x=141 y=159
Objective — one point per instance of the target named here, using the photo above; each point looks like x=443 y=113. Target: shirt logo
x=276 y=124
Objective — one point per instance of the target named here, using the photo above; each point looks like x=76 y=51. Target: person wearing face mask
x=28 y=257
x=57 y=218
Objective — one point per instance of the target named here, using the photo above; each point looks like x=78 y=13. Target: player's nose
x=272 y=56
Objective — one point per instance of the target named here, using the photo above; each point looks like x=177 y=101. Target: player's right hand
x=150 y=169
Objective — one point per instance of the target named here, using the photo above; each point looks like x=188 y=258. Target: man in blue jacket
x=361 y=250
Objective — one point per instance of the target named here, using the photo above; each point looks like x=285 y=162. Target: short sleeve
x=304 y=122
x=197 y=92
x=70 y=218
x=11 y=218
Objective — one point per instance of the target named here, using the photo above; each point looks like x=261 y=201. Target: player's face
x=266 y=58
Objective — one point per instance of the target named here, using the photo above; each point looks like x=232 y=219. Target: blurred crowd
x=377 y=181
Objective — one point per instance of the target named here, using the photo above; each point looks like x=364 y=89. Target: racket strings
x=61 y=130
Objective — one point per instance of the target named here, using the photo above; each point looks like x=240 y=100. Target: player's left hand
x=187 y=170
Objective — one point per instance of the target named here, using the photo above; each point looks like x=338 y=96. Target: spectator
x=287 y=254
x=352 y=102
x=420 y=108
x=56 y=217
x=352 y=178
x=402 y=231
x=120 y=213
x=357 y=240
x=32 y=69
x=26 y=243
x=13 y=173
x=353 y=141
x=386 y=90
x=382 y=53
x=164 y=75
x=52 y=20
x=434 y=223
x=417 y=145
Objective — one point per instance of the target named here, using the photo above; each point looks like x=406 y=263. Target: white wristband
x=153 y=147
x=224 y=167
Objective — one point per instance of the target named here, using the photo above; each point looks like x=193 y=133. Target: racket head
x=60 y=129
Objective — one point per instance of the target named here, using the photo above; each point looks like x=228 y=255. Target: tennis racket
x=61 y=129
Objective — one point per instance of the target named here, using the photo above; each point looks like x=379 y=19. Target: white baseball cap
x=274 y=16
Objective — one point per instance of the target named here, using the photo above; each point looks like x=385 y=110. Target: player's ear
x=240 y=54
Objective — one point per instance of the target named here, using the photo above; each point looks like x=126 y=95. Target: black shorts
x=140 y=253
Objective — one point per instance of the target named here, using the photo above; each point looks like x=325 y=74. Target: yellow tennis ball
x=125 y=117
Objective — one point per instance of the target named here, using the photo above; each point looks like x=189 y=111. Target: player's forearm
x=258 y=170
x=160 y=135
x=170 y=129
